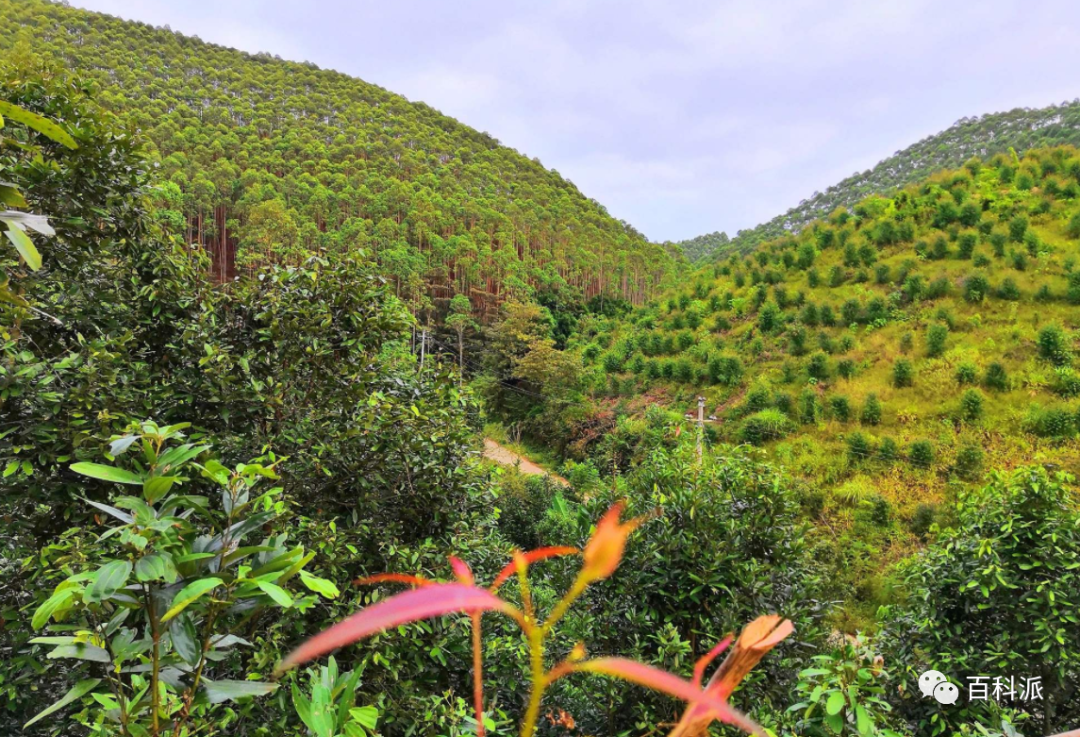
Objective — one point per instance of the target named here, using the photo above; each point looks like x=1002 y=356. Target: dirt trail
x=495 y=452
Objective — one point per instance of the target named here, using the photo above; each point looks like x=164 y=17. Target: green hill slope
x=888 y=355
x=274 y=159
x=982 y=136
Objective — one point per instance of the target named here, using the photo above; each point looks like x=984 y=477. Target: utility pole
x=700 y=426
x=423 y=345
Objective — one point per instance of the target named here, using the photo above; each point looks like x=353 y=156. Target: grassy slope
x=993 y=330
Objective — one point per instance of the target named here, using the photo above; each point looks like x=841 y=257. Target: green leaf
x=82 y=651
x=41 y=124
x=25 y=247
x=157 y=487
x=275 y=592
x=122 y=516
x=11 y=196
x=367 y=716
x=189 y=594
x=219 y=691
x=319 y=585
x=77 y=691
x=107 y=473
x=110 y=578
x=49 y=606
x=835 y=702
x=120 y=445
x=863 y=722
x=150 y=567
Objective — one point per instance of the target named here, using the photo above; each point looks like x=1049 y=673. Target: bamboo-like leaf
x=49 y=606
x=530 y=557
x=25 y=247
x=275 y=592
x=319 y=585
x=671 y=684
x=107 y=473
x=425 y=602
x=77 y=691
x=219 y=691
x=189 y=594
x=41 y=124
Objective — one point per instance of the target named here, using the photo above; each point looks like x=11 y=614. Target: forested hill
x=704 y=246
x=273 y=160
x=983 y=136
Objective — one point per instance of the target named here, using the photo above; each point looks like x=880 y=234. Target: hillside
x=983 y=136
x=274 y=159
x=887 y=355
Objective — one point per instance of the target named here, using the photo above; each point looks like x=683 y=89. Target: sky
x=681 y=118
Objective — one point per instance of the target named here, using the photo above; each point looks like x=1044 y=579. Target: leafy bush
x=1009 y=290
x=967 y=373
x=725 y=370
x=921 y=453
x=859 y=448
x=922 y=519
x=1053 y=345
x=818 y=366
x=1051 y=422
x=840 y=407
x=180 y=567
x=969 y=462
x=936 y=336
x=976 y=288
x=888 y=451
x=903 y=375
x=996 y=377
x=761 y=427
x=971 y=405
x=978 y=599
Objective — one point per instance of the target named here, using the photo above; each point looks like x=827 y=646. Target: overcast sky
x=681 y=117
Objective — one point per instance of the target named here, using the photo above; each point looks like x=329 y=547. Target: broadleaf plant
x=601 y=557
x=176 y=579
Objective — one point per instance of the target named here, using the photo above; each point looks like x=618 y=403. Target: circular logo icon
x=946 y=693
x=929 y=680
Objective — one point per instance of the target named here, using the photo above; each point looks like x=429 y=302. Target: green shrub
x=1051 y=422
x=967 y=373
x=761 y=427
x=840 y=408
x=859 y=448
x=871 y=411
x=880 y=511
x=1053 y=345
x=903 y=375
x=888 y=451
x=845 y=368
x=996 y=377
x=936 y=337
x=725 y=370
x=818 y=366
x=971 y=405
x=1009 y=290
x=808 y=406
x=969 y=462
x=922 y=519
x=921 y=453
x=976 y=287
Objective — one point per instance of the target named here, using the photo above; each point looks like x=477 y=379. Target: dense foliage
x=195 y=473
x=328 y=163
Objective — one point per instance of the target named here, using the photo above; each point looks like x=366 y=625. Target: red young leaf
x=532 y=556
x=462 y=572
x=393 y=578
x=671 y=684
x=433 y=600
x=704 y=660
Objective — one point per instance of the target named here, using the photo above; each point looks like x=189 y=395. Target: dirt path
x=495 y=452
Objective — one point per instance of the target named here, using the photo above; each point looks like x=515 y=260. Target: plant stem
x=564 y=604
x=539 y=680
x=478 y=675
x=155 y=676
